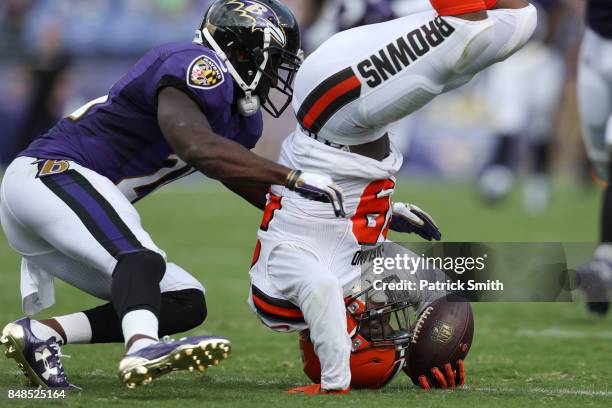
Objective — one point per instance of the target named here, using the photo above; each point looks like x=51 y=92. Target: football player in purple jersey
x=66 y=201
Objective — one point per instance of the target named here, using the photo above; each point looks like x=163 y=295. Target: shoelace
x=57 y=356
x=167 y=340
x=56 y=361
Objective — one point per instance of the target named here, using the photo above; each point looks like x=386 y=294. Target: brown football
x=442 y=334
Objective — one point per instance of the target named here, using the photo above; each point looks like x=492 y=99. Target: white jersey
x=361 y=80
x=348 y=92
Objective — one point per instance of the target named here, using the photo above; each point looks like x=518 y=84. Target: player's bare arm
x=189 y=134
x=252 y=193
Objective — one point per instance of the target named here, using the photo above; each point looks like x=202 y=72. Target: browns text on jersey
x=405 y=50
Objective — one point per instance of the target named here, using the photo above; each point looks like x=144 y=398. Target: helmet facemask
x=382 y=317
x=279 y=75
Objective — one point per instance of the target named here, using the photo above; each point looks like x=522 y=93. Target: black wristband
x=292 y=179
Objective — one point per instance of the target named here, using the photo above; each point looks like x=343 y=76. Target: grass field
x=523 y=354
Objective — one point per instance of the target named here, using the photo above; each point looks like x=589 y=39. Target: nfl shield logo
x=441 y=332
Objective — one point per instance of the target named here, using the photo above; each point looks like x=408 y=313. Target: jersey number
x=371 y=220
x=136 y=188
x=274 y=203
x=83 y=110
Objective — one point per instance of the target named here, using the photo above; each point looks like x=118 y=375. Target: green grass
x=523 y=354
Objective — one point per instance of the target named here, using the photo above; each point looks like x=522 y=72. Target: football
x=442 y=334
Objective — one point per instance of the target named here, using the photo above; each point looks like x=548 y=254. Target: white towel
x=37 y=288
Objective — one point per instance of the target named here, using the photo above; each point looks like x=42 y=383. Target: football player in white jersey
x=347 y=93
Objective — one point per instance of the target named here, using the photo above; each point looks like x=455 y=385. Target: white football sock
x=77 y=328
x=139 y=345
x=44 y=332
x=141 y=322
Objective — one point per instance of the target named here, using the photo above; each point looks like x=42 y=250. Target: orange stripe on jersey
x=456 y=7
x=328 y=98
x=276 y=310
x=274 y=203
x=256 y=253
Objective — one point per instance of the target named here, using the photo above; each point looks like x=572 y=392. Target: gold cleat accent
x=13 y=339
x=137 y=371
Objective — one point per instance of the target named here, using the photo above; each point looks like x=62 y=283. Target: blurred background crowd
x=518 y=121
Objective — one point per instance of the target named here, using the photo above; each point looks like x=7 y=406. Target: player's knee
x=182 y=310
x=144 y=265
x=135 y=283
x=194 y=307
x=325 y=285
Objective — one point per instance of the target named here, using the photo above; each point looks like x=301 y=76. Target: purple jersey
x=118 y=135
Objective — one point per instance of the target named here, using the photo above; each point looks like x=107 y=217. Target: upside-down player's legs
x=306 y=282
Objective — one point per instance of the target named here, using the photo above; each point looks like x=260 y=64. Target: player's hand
x=317 y=187
x=445 y=377
x=410 y=218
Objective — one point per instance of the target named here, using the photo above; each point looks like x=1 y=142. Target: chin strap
x=248 y=105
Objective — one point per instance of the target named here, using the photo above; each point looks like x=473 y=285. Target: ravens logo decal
x=204 y=73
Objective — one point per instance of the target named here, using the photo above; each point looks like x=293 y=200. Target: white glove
x=317 y=187
x=410 y=218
